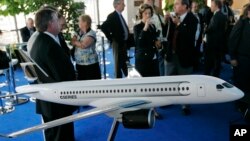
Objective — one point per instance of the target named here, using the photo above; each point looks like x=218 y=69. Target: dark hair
x=143 y=8
x=42 y=19
x=218 y=3
x=245 y=10
x=186 y=2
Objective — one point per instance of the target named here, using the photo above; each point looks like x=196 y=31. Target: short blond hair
x=86 y=18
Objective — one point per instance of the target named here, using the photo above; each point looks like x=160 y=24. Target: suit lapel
x=183 y=24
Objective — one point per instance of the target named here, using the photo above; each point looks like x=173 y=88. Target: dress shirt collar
x=182 y=17
x=119 y=13
x=56 y=38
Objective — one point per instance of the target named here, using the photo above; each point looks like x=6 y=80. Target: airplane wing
x=16 y=94
x=82 y=115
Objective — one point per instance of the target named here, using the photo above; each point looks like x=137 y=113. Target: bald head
x=30 y=23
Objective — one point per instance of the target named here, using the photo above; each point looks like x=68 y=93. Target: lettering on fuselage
x=68 y=97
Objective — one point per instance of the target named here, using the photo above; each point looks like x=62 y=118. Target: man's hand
x=176 y=20
x=158 y=44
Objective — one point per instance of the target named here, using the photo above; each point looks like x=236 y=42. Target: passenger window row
x=125 y=90
x=164 y=89
x=100 y=91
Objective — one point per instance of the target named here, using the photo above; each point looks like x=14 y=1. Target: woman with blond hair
x=85 y=55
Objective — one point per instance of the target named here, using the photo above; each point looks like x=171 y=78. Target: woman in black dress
x=145 y=35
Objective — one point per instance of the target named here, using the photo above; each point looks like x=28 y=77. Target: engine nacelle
x=140 y=119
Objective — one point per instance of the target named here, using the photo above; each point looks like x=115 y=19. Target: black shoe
x=247 y=116
x=242 y=109
x=186 y=111
x=241 y=106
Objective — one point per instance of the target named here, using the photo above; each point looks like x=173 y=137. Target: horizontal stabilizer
x=16 y=94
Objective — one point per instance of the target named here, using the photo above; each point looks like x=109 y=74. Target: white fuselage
x=188 y=89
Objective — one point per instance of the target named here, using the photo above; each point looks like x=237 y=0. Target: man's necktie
x=124 y=26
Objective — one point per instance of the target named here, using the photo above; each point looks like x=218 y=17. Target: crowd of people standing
x=180 y=42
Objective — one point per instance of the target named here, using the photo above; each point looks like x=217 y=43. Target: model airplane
x=130 y=101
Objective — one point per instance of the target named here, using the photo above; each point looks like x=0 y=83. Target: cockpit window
x=227 y=85
x=219 y=86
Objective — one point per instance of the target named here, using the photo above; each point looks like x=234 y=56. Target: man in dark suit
x=62 y=22
x=206 y=13
x=180 y=58
x=215 y=40
x=51 y=57
x=116 y=30
x=228 y=12
x=198 y=34
x=27 y=31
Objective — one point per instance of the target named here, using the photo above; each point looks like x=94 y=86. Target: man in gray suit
x=116 y=30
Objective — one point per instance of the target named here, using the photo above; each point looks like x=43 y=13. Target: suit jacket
x=185 y=47
x=145 y=42
x=113 y=29
x=207 y=14
x=199 y=41
x=25 y=33
x=52 y=58
x=239 y=42
x=215 y=33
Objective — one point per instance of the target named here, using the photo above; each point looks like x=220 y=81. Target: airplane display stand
x=11 y=82
x=113 y=130
x=5 y=108
x=104 y=57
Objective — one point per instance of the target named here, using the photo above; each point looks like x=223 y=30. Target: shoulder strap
x=162 y=24
x=169 y=23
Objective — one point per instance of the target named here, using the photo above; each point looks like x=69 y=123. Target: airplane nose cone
x=238 y=94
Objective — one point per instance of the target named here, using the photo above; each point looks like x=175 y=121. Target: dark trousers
x=120 y=59
x=59 y=133
x=212 y=64
x=174 y=67
x=88 y=72
x=242 y=77
x=161 y=64
x=197 y=55
x=147 y=68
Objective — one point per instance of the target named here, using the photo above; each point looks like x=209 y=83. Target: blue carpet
x=206 y=123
